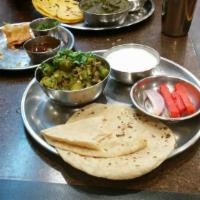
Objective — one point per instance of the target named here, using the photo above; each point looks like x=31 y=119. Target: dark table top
x=23 y=159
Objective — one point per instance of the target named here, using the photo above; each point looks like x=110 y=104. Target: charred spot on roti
x=120 y=135
x=167 y=135
x=129 y=126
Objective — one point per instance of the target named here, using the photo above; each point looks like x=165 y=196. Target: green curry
x=104 y=6
x=45 y=25
x=73 y=71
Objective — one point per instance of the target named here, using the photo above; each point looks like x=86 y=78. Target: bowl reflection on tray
x=138 y=98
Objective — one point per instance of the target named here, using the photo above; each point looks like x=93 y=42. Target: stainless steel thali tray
x=18 y=59
x=132 y=19
x=39 y=113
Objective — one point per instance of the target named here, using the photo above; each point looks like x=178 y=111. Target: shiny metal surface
x=177 y=16
x=37 y=57
x=38 y=112
x=17 y=60
x=131 y=77
x=138 y=97
x=37 y=21
x=75 y=97
x=132 y=19
x=136 y=5
x=108 y=19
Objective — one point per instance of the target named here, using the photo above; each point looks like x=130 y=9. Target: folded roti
x=85 y=133
x=125 y=139
x=160 y=144
x=110 y=146
x=16 y=34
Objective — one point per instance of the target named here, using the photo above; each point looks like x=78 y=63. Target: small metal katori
x=46 y=31
x=139 y=100
x=39 y=112
x=48 y=44
x=130 y=77
x=18 y=59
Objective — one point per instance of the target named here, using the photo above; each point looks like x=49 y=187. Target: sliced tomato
x=182 y=91
x=172 y=109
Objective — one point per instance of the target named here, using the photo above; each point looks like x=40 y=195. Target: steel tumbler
x=177 y=16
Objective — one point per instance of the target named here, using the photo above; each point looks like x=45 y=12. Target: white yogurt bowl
x=130 y=62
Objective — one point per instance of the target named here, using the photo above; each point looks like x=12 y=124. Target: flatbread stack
x=111 y=141
x=66 y=11
x=16 y=34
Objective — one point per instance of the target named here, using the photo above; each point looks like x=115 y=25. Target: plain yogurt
x=132 y=60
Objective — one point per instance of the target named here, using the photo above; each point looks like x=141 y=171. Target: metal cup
x=177 y=16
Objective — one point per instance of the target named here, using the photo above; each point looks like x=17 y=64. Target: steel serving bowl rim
x=121 y=46
x=27 y=125
x=43 y=52
x=106 y=14
x=169 y=119
x=72 y=91
x=44 y=18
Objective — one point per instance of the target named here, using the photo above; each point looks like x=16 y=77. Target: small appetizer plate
x=166 y=98
x=18 y=59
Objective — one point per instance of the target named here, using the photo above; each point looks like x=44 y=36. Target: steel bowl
x=48 y=31
x=130 y=77
x=73 y=97
x=139 y=100
x=108 y=19
x=37 y=57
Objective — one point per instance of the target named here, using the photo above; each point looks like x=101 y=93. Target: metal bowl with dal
x=73 y=97
x=94 y=18
x=122 y=60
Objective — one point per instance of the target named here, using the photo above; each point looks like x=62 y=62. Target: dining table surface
x=21 y=158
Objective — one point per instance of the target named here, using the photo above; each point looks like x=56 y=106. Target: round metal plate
x=39 y=113
x=18 y=59
x=132 y=19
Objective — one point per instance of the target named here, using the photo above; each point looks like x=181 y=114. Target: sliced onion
x=156 y=101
